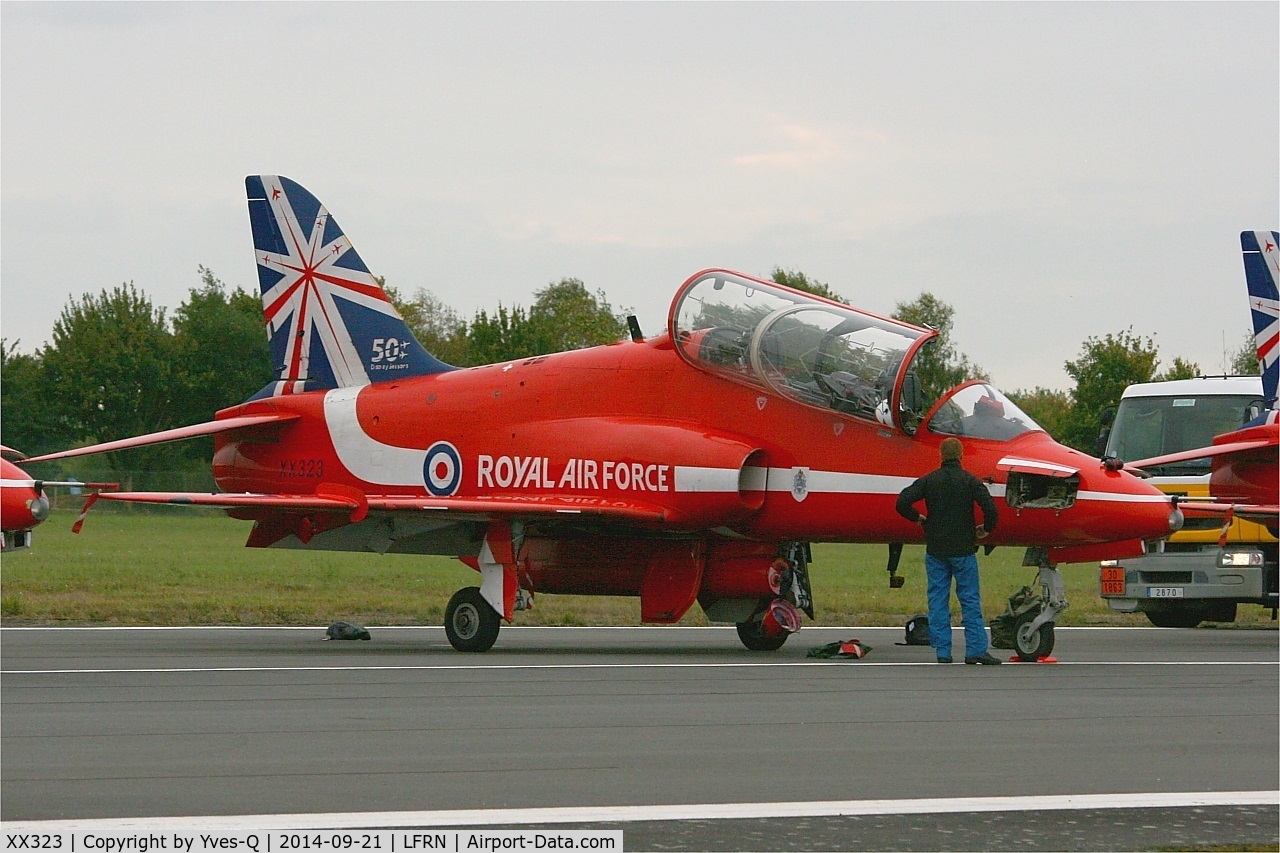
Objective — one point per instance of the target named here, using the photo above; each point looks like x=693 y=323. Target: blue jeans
x=940 y=571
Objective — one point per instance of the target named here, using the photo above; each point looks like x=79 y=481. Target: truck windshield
x=1153 y=426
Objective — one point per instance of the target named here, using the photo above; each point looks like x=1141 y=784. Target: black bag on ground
x=346 y=631
x=917 y=631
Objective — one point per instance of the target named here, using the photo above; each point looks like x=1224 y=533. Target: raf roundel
x=442 y=469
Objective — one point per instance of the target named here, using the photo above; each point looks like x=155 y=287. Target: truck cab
x=1190 y=577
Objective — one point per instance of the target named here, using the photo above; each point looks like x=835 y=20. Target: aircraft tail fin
x=1262 y=275
x=329 y=322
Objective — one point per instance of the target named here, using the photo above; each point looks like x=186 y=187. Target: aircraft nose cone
x=1158 y=516
x=39 y=507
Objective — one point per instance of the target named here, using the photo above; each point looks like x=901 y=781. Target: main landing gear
x=778 y=617
x=470 y=623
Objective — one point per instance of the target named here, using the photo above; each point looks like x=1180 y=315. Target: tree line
x=116 y=365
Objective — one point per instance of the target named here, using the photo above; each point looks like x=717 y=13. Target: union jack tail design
x=329 y=321
x=1262 y=274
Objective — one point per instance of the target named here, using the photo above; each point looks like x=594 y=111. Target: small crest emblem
x=800 y=484
x=837 y=427
x=760 y=402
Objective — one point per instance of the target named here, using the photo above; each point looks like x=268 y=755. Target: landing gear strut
x=779 y=617
x=1033 y=630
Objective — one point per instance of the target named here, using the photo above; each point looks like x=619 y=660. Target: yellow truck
x=1189 y=578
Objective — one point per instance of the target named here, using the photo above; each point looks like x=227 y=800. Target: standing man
x=951 y=546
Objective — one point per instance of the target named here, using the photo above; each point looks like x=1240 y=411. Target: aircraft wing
x=509 y=507
x=1191 y=506
x=1261 y=513
x=233 y=500
x=1202 y=453
x=347 y=500
x=178 y=434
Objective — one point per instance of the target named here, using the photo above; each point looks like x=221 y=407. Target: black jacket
x=949 y=494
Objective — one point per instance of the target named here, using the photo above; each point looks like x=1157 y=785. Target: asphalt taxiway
x=737 y=750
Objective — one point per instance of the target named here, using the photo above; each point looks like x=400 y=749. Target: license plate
x=1164 y=592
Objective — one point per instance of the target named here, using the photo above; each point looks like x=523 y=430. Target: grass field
x=193 y=569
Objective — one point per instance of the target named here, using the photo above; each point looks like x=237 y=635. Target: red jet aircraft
x=692 y=466
x=23 y=503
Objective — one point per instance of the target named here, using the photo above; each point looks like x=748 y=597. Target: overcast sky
x=1053 y=171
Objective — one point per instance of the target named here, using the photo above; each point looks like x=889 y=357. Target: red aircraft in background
x=1245 y=474
x=23 y=503
x=694 y=466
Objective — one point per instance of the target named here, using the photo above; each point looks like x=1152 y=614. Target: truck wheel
x=1032 y=645
x=469 y=622
x=754 y=638
x=1177 y=616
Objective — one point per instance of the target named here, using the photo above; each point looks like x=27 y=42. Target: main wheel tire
x=754 y=638
x=1032 y=645
x=469 y=622
x=1177 y=616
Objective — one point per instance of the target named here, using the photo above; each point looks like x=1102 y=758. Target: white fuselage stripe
x=843 y=483
x=1120 y=497
x=366 y=458
x=689 y=478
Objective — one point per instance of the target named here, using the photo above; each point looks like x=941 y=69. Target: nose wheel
x=469 y=622
x=1032 y=641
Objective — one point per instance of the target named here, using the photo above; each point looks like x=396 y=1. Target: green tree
x=566 y=316
x=1244 y=361
x=1180 y=369
x=29 y=422
x=1048 y=407
x=799 y=281
x=1105 y=367
x=111 y=360
x=439 y=328
x=939 y=365
x=222 y=356
x=502 y=336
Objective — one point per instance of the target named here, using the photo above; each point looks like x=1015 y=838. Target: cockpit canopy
x=977 y=410
x=808 y=349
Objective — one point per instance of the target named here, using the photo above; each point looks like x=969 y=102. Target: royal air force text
x=536 y=472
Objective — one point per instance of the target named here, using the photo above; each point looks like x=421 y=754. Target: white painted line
x=629 y=814
x=463 y=667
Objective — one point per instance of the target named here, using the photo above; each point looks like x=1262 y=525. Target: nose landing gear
x=1027 y=625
